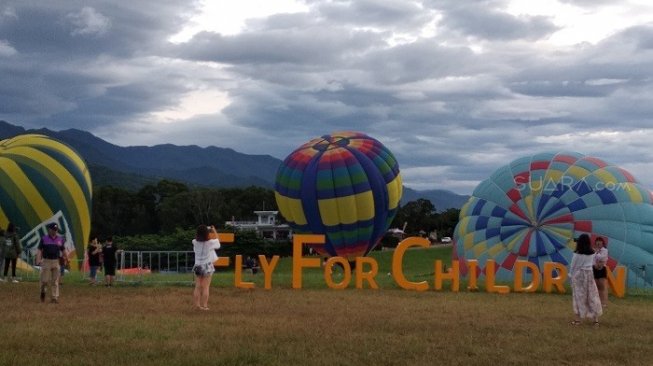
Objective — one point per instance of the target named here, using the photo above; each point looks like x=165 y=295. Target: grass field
x=156 y=325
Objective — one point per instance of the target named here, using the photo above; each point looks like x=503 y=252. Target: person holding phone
x=204 y=248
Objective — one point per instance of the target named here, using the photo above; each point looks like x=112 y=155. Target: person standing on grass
x=12 y=250
x=109 y=252
x=600 y=269
x=50 y=249
x=205 y=255
x=585 y=296
x=94 y=252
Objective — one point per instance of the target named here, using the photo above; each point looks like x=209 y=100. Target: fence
x=155 y=266
x=132 y=267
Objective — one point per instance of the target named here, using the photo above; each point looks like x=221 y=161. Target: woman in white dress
x=586 y=301
x=205 y=255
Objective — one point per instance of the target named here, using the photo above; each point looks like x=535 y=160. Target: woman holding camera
x=205 y=255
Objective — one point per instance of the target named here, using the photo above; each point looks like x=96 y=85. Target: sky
x=454 y=88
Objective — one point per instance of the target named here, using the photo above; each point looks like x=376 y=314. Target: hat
x=52 y=226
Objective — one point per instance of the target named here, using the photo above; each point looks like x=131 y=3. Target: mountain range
x=132 y=167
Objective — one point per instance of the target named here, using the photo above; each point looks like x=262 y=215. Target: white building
x=265 y=226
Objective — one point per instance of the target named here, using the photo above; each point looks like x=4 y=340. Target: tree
x=447 y=221
x=113 y=211
x=420 y=215
x=170 y=205
x=241 y=203
x=148 y=203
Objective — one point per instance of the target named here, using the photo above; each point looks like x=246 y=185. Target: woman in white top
x=586 y=301
x=205 y=255
x=600 y=269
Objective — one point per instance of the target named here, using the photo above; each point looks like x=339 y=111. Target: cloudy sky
x=454 y=88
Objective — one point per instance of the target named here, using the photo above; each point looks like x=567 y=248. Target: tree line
x=168 y=206
x=163 y=216
x=422 y=216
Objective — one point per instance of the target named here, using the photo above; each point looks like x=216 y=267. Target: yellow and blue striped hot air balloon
x=41 y=178
x=532 y=208
x=346 y=186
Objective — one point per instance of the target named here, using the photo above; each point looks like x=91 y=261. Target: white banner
x=31 y=240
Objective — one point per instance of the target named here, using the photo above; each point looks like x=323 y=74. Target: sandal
x=574 y=322
x=596 y=324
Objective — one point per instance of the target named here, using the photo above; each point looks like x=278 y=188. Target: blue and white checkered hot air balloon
x=532 y=208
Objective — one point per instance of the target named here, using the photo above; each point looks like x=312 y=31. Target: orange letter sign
x=397 y=260
x=472 y=265
x=489 y=279
x=550 y=281
x=367 y=276
x=617 y=284
x=453 y=274
x=535 y=278
x=268 y=268
x=238 y=274
x=328 y=273
x=299 y=262
x=224 y=238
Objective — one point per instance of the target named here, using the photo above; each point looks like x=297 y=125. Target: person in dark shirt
x=109 y=251
x=50 y=249
x=251 y=264
x=11 y=251
x=94 y=252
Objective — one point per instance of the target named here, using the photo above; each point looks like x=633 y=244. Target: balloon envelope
x=346 y=186
x=40 y=177
x=533 y=208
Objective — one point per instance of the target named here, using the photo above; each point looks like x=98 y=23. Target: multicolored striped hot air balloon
x=346 y=186
x=533 y=208
x=44 y=180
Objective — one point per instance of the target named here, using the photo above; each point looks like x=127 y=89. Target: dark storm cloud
x=455 y=89
x=587 y=3
x=445 y=93
x=80 y=65
x=486 y=20
x=423 y=59
x=119 y=101
x=62 y=30
x=559 y=88
x=609 y=82
x=437 y=105
x=384 y=14
x=618 y=58
x=640 y=37
x=313 y=45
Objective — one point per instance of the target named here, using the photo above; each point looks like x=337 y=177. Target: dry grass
x=157 y=326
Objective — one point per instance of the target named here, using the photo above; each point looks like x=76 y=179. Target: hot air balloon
x=346 y=186
x=533 y=208
x=43 y=180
